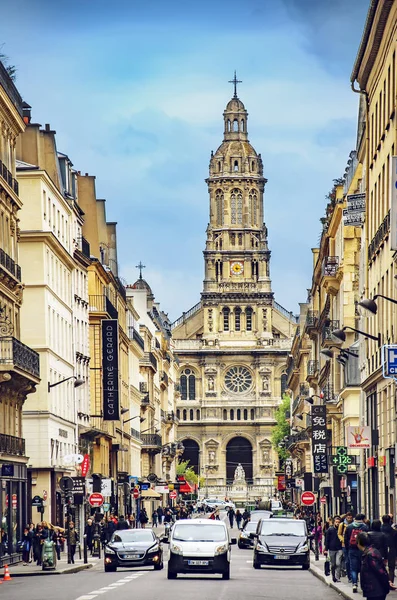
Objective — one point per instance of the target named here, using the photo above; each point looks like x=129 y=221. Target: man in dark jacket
x=373 y=576
x=333 y=547
x=391 y=536
x=351 y=534
x=122 y=523
x=378 y=539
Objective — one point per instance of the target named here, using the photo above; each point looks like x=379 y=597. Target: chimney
x=26 y=113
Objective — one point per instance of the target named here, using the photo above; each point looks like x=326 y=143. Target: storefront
x=13 y=509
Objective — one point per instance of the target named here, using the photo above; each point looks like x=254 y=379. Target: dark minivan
x=281 y=542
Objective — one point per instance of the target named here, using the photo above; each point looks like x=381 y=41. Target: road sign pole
x=316 y=548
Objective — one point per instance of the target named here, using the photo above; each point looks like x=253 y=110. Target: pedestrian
x=122 y=524
x=27 y=539
x=155 y=517
x=37 y=545
x=143 y=518
x=391 y=536
x=346 y=520
x=317 y=532
x=333 y=547
x=239 y=517
x=160 y=515
x=378 y=539
x=72 y=539
x=57 y=539
x=89 y=533
x=351 y=533
x=246 y=517
x=231 y=514
x=373 y=575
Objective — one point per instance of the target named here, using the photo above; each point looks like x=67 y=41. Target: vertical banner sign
x=288 y=468
x=110 y=369
x=319 y=439
x=393 y=203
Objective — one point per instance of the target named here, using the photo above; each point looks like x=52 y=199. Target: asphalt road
x=146 y=584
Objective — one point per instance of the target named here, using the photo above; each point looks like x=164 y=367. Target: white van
x=199 y=546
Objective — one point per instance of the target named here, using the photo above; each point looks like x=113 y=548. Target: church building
x=233 y=345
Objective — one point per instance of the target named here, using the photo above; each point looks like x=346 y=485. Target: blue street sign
x=133 y=479
x=106 y=507
x=144 y=486
x=389 y=362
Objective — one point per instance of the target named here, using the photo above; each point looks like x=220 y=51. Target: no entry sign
x=95 y=499
x=308 y=498
x=173 y=495
x=135 y=493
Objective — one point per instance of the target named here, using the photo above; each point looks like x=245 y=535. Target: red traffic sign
x=323 y=500
x=308 y=498
x=173 y=495
x=95 y=499
x=135 y=493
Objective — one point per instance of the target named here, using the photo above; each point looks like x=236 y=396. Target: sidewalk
x=32 y=570
x=344 y=588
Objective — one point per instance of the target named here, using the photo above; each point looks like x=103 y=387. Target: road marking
x=87 y=597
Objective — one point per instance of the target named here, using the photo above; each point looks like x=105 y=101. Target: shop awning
x=186 y=488
x=150 y=494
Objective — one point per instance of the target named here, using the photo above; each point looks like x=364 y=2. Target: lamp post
x=77 y=383
x=340 y=334
x=370 y=306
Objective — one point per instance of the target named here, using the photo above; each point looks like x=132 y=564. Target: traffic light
x=96 y=483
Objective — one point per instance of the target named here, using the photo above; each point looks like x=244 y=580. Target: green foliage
x=282 y=428
x=11 y=69
x=182 y=468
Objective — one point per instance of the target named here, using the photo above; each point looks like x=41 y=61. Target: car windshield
x=132 y=535
x=259 y=514
x=287 y=527
x=199 y=533
x=250 y=527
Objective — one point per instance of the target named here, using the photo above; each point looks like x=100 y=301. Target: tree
x=282 y=428
x=182 y=468
x=11 y=69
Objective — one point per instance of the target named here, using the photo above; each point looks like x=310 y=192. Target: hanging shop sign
x=358 y=437
x=110 y=369
x=354 y=213
x=319 y=439
x=288 y=468
x=341 y=459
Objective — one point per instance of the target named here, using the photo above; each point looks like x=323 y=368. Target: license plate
x=198 y=563
x=281 y=557
x=131 y=555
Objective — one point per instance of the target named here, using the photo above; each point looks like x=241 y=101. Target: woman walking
x=239 y=517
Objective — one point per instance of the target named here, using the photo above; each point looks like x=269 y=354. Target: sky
x=136 y=90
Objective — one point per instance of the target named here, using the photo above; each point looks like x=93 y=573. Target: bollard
x=85 y=549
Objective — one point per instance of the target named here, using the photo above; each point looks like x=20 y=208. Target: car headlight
x=154 y=548
x=261 y=547
x=244 y=535
x=176 y=549
x=221 y=549
x=108 y=550
x=304 y=548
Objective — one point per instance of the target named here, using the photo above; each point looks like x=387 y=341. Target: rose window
x=238 y=379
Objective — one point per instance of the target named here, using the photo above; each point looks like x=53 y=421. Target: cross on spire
x=235 y=81
x=140 y=267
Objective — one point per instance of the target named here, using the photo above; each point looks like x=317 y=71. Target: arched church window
x=198 y=415
x=248 y=318
x=178 y=413
x=242 y=124
x=219 y=202
x=232 y=415
x=253 y=202
x=184 y=414
x=235 y=125
x=224 y=414
x=188 y=385
x=235 y=168
x=252 y=414
x=219 y=166
x=236 y=205
x=191 y=414
x=238 y=414
x=253 y=166
x=226 y=318
x=237 y=318
x=245 y=414
x=228 y=124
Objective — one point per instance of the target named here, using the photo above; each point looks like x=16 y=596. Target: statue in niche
x=266 y=454
x=211 y=383
x=239 y=473
x=211 y=456
x=265 y=383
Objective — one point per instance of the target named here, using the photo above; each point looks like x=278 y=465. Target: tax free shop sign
x=110 y=369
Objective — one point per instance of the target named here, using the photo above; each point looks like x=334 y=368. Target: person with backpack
x=378 y=539
x=346 y=520
x=391 y=536
x=354 y=552
x=373 y=575
x=333 y=547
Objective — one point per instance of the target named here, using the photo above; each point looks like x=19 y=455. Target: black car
x=281 y=542
x=133 y=548
x=244 y=539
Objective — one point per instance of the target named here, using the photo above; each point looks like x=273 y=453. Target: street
x=245 y=582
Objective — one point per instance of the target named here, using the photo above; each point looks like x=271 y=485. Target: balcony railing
x=143 y=387
x=330 y=266
x=149 y=359
x=313 y=367
x=146 y=400
x=135 y=434
x=85 y=247
x=101 y=303
x=328 y=392
x=134 y=335
x=304 y=390
x=7 y=83
x=311 y=318
x=302 y=436
x=7 y=176
x=11 y=266
x=379 y=236
x=12 y=445
x=151 y=440
x=327 y=332
x=14 y=353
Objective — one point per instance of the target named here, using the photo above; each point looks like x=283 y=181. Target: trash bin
x=49 y=556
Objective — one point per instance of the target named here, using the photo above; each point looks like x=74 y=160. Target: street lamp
x=370 y=306
x=124 y=410
x=340 y=334
x=342 y=352
x=142 y=419
x=77 y=383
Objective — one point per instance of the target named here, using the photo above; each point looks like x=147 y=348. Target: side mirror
x=165 y=540
x=253 y=536
x=233 y=541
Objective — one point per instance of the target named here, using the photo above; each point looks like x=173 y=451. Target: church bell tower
x=237 y=286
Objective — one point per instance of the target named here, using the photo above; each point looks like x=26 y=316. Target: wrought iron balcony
x=101 y=303
x=149 y=360
x=313 y=367
x=379 y=237
x=295 y=438
x=146 y=400
x=151 y=440
x=135 y=434
x=134 y=335
x=328 y=391
x=304 y=390
x=8 y=263
x=85 y=247
x=311 y=319
x=17 y=355
x=12 y=445
x=143 y=387
x=330 y=266
x=7 y=176
x=326 y=337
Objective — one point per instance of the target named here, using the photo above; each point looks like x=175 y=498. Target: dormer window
x=235 y=168
x=219 y=167
x=235 y=125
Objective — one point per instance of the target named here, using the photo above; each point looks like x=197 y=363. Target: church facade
x=233 y=345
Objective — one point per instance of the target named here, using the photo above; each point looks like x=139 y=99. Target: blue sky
x=136 y=91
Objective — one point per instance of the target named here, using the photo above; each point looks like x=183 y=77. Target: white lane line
x=98 y=592
x=87 y=597
x=117 y=583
